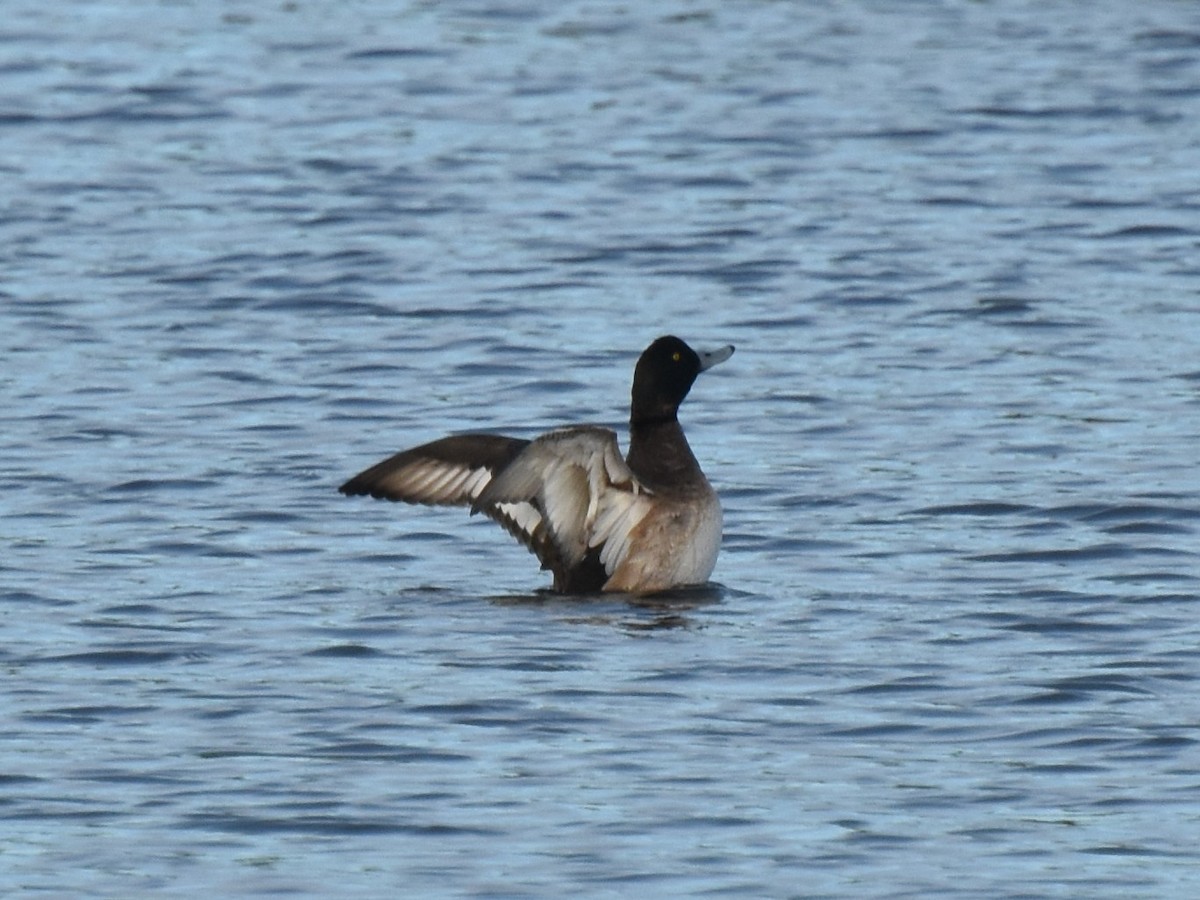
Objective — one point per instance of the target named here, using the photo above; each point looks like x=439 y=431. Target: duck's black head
x=664 y=374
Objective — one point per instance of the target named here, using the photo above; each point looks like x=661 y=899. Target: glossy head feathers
x=664 y=374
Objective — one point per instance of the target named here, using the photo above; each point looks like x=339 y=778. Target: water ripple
x=952 y=645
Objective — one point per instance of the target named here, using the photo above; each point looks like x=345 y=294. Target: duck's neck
x=659 y=453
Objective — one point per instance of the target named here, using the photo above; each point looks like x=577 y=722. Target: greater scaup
x=642 y=524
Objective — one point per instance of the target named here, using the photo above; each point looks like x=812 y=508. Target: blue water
x=250 y=248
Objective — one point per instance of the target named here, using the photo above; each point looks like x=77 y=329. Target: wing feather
x=568 y=496
x=454 y=471
x=619 y=515
x=447 y=472
x=589 y=498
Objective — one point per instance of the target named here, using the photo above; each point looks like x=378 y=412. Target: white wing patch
x=475 y=482
x=619 y=513
x=588 y=497
x=523 y=516
x=436 y=482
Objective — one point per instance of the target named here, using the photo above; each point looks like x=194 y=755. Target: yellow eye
x=675 y=356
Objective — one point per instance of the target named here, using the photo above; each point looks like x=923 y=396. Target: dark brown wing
x=454 y=471
x=448 y=472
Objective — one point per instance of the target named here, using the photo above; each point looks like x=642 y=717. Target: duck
x=643 y=523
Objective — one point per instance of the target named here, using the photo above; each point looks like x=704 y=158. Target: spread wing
x=589 y=499
x=454 y=471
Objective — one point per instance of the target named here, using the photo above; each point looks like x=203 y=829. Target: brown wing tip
x=365 y=487
x=354 y=488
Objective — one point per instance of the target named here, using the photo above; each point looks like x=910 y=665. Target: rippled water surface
x=250 y=248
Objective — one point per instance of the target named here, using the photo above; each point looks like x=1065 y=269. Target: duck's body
x=597 y=521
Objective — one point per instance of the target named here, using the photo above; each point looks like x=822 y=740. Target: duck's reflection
x=660 y=611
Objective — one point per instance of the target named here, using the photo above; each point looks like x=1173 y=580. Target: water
x=251 y=248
